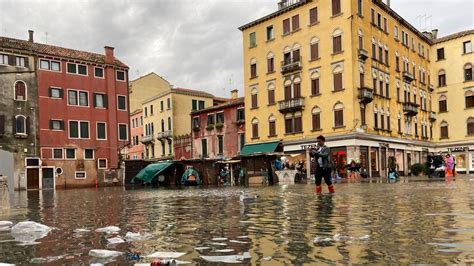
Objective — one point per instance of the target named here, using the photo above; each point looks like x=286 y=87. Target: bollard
x=163 y=263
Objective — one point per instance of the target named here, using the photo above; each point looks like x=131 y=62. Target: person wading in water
x=322 y=157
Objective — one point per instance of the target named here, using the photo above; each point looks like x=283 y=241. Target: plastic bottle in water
x=165 y=262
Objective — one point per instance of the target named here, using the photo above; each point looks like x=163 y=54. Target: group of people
x=443 y=166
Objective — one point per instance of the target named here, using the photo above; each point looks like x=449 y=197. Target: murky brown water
x=405 y=222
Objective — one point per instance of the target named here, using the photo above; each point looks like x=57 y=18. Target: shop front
x=461 y=154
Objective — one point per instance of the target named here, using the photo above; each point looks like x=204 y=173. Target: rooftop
x=183 y=91
x=55 y=51
x=454 y=36
x=229 y=103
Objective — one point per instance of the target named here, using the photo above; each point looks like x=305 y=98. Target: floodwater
x=367 y=222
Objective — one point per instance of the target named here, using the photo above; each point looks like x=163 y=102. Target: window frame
x=53 y=155
x=93 y=154
x=125 y=102
x=14 y=91
x=50 y=65
x=118 y=131
x=464 y=47
x=79 y=131
x=106 y=163
x=103 y=72
x=66 y=155
x=61 y=124
x=97 y=130
x=124 y=76
x=51 y=88
x=25 y=125
x=82 y=172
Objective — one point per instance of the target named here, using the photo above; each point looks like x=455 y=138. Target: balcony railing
x=290 y=65
x=408 y=76
x=287 y=3
x=410 y=109
x=165 y=135
x=291 y=105
x=366 y=95
x=432 y=116
x=363 y=54
x=148 y=139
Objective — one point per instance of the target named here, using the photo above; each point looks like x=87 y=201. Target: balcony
x=291 y=65
x=410 y=109
x=291 y=105
x=363 y=54
x=287 y=3
x=432 y=116
x=430 y=88
x=165 y=135
x=366 y=95
x=407 y=76
x=148 y=139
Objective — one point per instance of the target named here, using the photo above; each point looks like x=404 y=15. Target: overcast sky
x=193 y=44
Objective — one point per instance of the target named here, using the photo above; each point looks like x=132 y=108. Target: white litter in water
x=115 y=240
x=337 y=237
x=6 y=264
x=224 y=250
x=227 y=259
x=103 y=253
x=366 y=237
x=130 y=236
x=108 y=230
x=202 y=248
x=81 y=231
x=218 y=244
x=166 y=255
x=239 y=242
x=243 y=237
x=268 y=258
x=46 y=259
x=219 y=239
x=28 y=232
x=244 y=197
x=181 y=262
x=5 y=224
x=322 y=239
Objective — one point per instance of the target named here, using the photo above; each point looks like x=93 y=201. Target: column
x=308 y=165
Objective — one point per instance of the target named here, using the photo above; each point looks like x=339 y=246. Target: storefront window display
x=339 y=156
x=374 y=166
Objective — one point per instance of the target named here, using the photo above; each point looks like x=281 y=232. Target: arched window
x=469 y=96
x=337 y=41
x=162 y=125
x=316 y=118
x=361 y=39
x=315 y=83
x=444 y=130
x=272 y=126
x=470 y=126
x=443 y=104
x=254 y=93
x=255 y=128
x=338 y=115
x=468 y=72
x=253 y=68
x=337 y=78
x=270 y=63
x=314 y=48
x=271 y=93
x=21 y=125
x=20 y=91
x=287 y=89
x=296 y=53
x=296 y=87
x=441 y=78
x=293 y=123
x=169 y=123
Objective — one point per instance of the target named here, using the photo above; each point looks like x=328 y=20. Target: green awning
x=267 y=147
x=148 y=173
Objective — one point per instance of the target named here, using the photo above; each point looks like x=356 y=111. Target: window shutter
x=314 y=51
x=94 y=99
x=11 y=60
x=50 y=92
x=297 y=90
x=336 y=7
x=2 y=125
x=13 y=125
x=61 y=93
x=286 y=26
x=296 y=22
x=337 y=45
x=26 y=62
x=61 y=125
x=337 y=81
x=106 y=101
x=313 y=15
x=27 y=125
x=316 y=122
x=50 y=124
x=296 y=55
x=287 y=92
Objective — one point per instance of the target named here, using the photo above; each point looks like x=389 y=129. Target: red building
x=219 y=131
x=83 y=113
x=137 y=149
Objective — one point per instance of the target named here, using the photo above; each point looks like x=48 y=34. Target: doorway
x=48 y=177
x=32 y=178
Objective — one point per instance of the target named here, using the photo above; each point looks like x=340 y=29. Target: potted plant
x=196 y=128
x=209 y=127
x=219 y=125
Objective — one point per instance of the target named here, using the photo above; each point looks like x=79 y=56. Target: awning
x=267 y=147
x=148 y=173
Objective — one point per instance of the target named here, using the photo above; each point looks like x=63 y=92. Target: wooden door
x=32 y=178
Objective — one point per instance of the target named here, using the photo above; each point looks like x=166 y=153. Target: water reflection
x=370 y=222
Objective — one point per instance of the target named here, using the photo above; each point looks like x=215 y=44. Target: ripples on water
x=408 y=222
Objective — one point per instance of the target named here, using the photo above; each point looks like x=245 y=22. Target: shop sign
x=308 y=146
x=384 y=145
x=458 y=149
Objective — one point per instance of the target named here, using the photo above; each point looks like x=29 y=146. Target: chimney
x=428 y=35
x=30 y=35
x=434 y=33
x=386 y=2
x=234 y=94
x=109 y=54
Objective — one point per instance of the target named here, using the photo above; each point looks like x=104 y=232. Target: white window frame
x=56 y=98
x=65 y=153
x=3 y=56
x=106 y=163
x=124 y=76
x=93 y=154
x=76 y=172
x=126 y=107
x=78 y=98
x=103 y=73
x=50 y=65
x=14 y=91
x=24 y=126
x=94 y=100
x=118 y=132
x=18 y=58
x=78 y=128
x=62 y=153
x=77 y=69
x=57 y=120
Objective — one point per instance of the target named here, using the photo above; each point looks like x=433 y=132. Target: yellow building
x=452 y=63
x=166 y=118
x=146 y=87
x=353 y=71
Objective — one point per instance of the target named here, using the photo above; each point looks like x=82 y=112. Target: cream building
x=452 y=63
x=353 y=71
x=146 y=87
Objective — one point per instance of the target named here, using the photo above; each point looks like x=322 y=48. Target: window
x=382 y=121
x=440 y=53
x=201 y=105
x=444 y=130
x=467 y=47
x=220 y=118
x=339 y=115
x=78 y=130
x=50 y=65
x=196 y=123
x=254 y=98
x=376 y=120
x=122 y=103
x=372 y=16
x=240 y=114
x=101 y=131
x=315 y=86
x=405 y=38
x=380 y=54
x=88 y=154
x=270 y=63
x=102 y=163
x=56 y=93
x=253 y=70
x=336 y=7
x=98 y=72
x=20 y=91
x=58 y=154
x=211 y=119
x=168 y=104
x=399 y=122
x=469 y=95
x=204 y=148
x=314 y=49
x=194 y=105
x=255 y=128
x=270 y=33
x=80 y=175
x=252 y=39
x=271 y=94
x=21 y=61
x=77 y=69
x=100 y=100
x=286 y=26
x=56 y=124
x=293 y=123
x=3 y=59
x=271 y=126
x=468 y=72
x=386 y=57
x=70 y=153
x=359 y=7
x=162 y=106
x=443 y=104
x=241 y=141
x=389 y=126
x=381 y=87
x=21 y=125
x=337 y=79
x=395 y=33
x=316 y=118
x=120 y=75
x=220 y=145
x=374 y=51
x=441 y=78
x=361 y=41
x=123 y=132
x=385 y=26
x=295 y=22
x=313 y=16
x=470 y=126
x=78 y=98
x=337 y=42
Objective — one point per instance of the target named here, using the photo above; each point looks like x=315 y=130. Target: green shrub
x=418 y=168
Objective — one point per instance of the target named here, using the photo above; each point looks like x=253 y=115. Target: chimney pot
x=30 y=35
x=109 y=54
x=234 y=94
x=434 y=33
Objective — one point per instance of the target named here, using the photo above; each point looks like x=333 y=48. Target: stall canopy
x=268 y=147
x=148 y=173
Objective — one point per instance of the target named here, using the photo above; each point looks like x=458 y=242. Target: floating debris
x=228 y=259
x=268 y=258
x=46 y=259
x=239 y=242
x=224 y=250
x=115 y=240
x=322 y=239
x=130 y=236
x=28 y=232
x=363 y=238
x=202 y=248
x=166 y=255
x=103 y=253
x=219 y=239
x=108 y=230
x=218 y=244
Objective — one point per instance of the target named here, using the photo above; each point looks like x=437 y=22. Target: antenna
x=430 y=20
x=137 y=72
x=46 y=36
